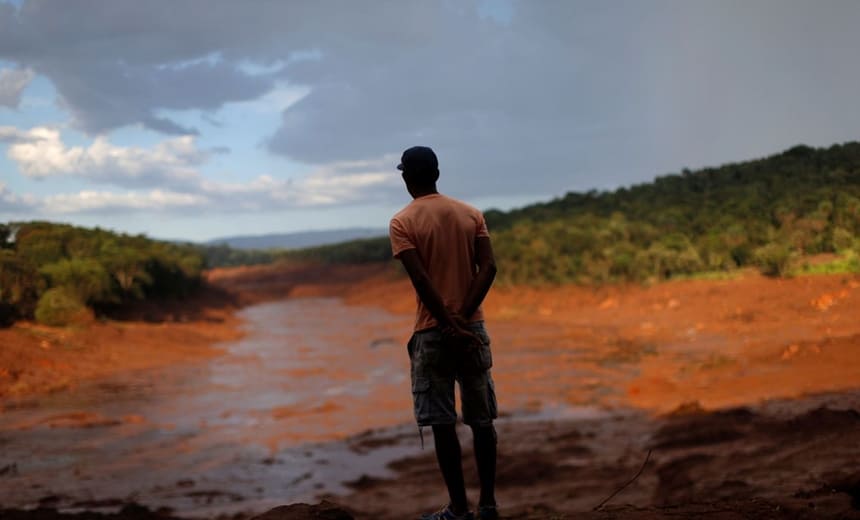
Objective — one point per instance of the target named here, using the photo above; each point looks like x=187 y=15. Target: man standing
x=445 y=247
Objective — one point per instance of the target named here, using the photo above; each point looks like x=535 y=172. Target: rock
x=325 y=510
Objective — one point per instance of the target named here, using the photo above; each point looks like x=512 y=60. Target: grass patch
x=847 y=262
x=734 y=274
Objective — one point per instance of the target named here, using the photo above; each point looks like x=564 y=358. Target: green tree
x=85 y=278
x=60 y=307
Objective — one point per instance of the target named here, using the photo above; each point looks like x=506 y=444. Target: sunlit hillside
x=772 y=213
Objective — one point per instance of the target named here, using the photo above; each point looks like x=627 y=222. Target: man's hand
x=459 y=335
x=460 y=320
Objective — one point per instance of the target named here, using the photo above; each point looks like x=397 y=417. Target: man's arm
x=486 y=262
x=430 y=296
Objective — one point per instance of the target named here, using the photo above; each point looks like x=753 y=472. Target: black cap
x=419 y=158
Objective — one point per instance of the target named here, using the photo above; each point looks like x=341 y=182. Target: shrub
x=59 y=307
x=842 y=239
x=774 y=259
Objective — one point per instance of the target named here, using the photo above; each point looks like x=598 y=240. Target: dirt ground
x=37 y=359
x=779 y=459
x=745 y=390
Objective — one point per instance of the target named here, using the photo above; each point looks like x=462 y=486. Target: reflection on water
x=243 y=431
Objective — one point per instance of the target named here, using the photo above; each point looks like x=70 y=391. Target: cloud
x=554 y=95
x=574 y=95
x=41 y=154
x=11 y=203
x=101 y=202
x=120 y=64
x=12 y=83
x=11 y=134
x=342 y=183
x=95 y=202
x=167 y=179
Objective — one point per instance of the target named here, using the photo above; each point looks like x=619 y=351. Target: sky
x=196 y=119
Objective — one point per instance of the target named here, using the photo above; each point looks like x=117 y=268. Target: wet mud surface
x=239 y=431
x=744 y=390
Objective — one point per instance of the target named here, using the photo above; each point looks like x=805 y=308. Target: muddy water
x=264 y=424
x=241 y=432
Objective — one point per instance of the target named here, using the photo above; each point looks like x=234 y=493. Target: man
x=445 y=247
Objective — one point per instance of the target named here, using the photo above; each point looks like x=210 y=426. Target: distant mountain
x=297 y=240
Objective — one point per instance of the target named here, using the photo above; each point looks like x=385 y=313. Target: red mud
x=687 y=347
x=795 y=459
x=36 y=359
x=711 y=352
x=716 y=342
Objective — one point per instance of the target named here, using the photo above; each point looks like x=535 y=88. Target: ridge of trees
x=767 y=213
x=59 y=273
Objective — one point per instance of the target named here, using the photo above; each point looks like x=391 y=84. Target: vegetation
x=360 y=251
x=774 y=214
x=59 y=273
x=61 y=306
x=770 y=214
x=222 y=255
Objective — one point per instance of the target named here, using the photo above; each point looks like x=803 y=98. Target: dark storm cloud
x=563 y=95
x=120 y=62
x=575 y=95
x=12 y=83
x=135 y=91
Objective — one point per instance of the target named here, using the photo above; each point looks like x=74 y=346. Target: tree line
x=769 y=213
x=58 y=273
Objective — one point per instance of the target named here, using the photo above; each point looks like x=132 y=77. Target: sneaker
x=446 y=514
x=488 y=513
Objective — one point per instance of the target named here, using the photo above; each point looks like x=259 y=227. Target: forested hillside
x=769 y=213
x=296 y=240
x=59 y=273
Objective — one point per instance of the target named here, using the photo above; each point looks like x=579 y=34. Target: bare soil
x=37 y=359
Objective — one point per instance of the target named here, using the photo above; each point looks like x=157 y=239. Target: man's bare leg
x=484 y=438
x=449 y=456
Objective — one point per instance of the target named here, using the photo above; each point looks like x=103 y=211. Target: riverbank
x=793 y=459
x=779 y=459
x=37 y=359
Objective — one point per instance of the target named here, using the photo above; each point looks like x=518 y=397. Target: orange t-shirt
x=443 y=231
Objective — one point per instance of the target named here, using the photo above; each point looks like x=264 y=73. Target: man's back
x=443 y=231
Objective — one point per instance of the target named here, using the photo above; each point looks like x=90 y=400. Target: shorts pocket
x=421 y=400
x=486 y=356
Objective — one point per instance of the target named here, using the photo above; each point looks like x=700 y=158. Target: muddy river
x=262 y=425
x=241 y=432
